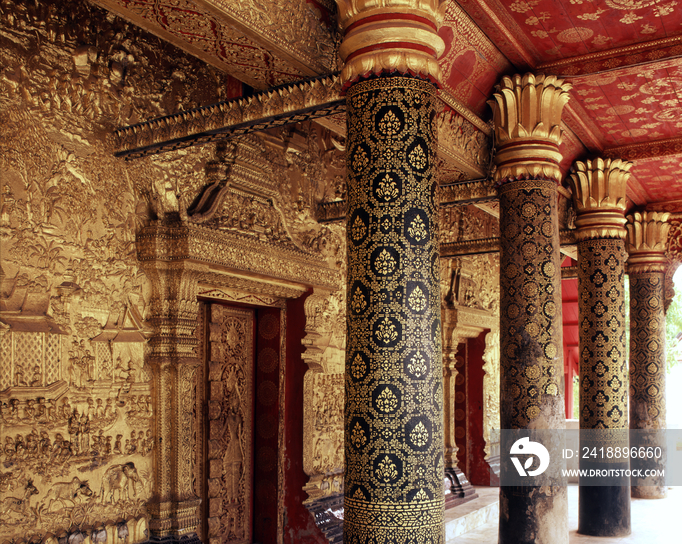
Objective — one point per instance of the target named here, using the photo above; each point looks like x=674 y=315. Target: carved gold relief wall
x=323 y=438
x=76 y=425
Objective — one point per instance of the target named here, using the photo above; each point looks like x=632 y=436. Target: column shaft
x=647 y=371
x=531 y=355
x=647 y=241
x=603 y=511
x=394 y=408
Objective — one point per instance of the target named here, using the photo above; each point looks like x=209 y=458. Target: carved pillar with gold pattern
x=393 y=488
x=527 y=114
x=647 y=265
x=171 y=355
x=460 y=489
x=599 y=188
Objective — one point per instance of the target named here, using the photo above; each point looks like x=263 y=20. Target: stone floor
x=653 y=522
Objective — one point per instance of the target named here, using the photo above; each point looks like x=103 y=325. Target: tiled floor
x=653 y=522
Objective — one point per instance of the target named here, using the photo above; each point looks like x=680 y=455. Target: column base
x=191 y=538
x=460 y=491
x=533 y=515
x=649 y=492
x=174 y=520
x=604 y=511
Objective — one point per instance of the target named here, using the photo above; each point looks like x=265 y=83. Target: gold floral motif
x=358 y=367
x=360 y=160
x=387 y=401
x=385 y=264
x=387 y=188
x=358 y=303
x=358 y=229
x=419 y=435
x=417 y=158
x=386 y=331
x=417 y=365
x=417 y=229
x=386 y=470
x=417 y=300
x=389 y=125
x=358 y=436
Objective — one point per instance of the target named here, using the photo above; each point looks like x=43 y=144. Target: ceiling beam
x=615 y=59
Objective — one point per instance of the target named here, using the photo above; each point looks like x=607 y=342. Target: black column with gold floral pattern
x=603 y=511
x=531 y=367
x=394 y=410
x=527 y=114
x=599 y=188
x=647 y=265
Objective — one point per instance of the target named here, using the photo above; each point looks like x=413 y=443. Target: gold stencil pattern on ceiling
x=533 y=362
x=394 y=457
x=603 y=364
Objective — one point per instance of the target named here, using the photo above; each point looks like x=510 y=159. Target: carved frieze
x=283 y=106
x=236 y=251
x=262 y=44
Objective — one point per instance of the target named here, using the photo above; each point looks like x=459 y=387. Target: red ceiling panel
x=634 y=105
x=562 y=29
x=661 y=177
x=471 y=64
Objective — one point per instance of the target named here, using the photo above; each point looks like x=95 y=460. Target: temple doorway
x=239 y=388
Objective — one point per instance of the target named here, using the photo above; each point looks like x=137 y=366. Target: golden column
x=647 y=264
x=527 y=114
x=393 y=488
x=599 y=196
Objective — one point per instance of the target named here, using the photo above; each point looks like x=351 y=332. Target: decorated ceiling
x=623 y=58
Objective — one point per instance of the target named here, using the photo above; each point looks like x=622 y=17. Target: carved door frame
x=186 y=263
x=261 y=360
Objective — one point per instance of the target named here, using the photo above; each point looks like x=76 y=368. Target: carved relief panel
x=491 y=394
x=228 y=489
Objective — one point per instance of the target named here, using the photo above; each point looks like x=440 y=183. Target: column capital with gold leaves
x=599 y=188
x=390 y=36
x=527 y=115
x=647 y=241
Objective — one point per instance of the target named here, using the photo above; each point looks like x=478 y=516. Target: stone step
x=467 y=517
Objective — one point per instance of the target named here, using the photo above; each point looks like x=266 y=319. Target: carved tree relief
x=230 y=424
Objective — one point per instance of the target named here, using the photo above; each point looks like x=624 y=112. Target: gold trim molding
x=285 y=105
x=463 y=137
x=234 y=252
x=387 y=36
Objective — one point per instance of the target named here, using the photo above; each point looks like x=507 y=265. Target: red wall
x=471 y=454
x=299 y=526
x=479 y=471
